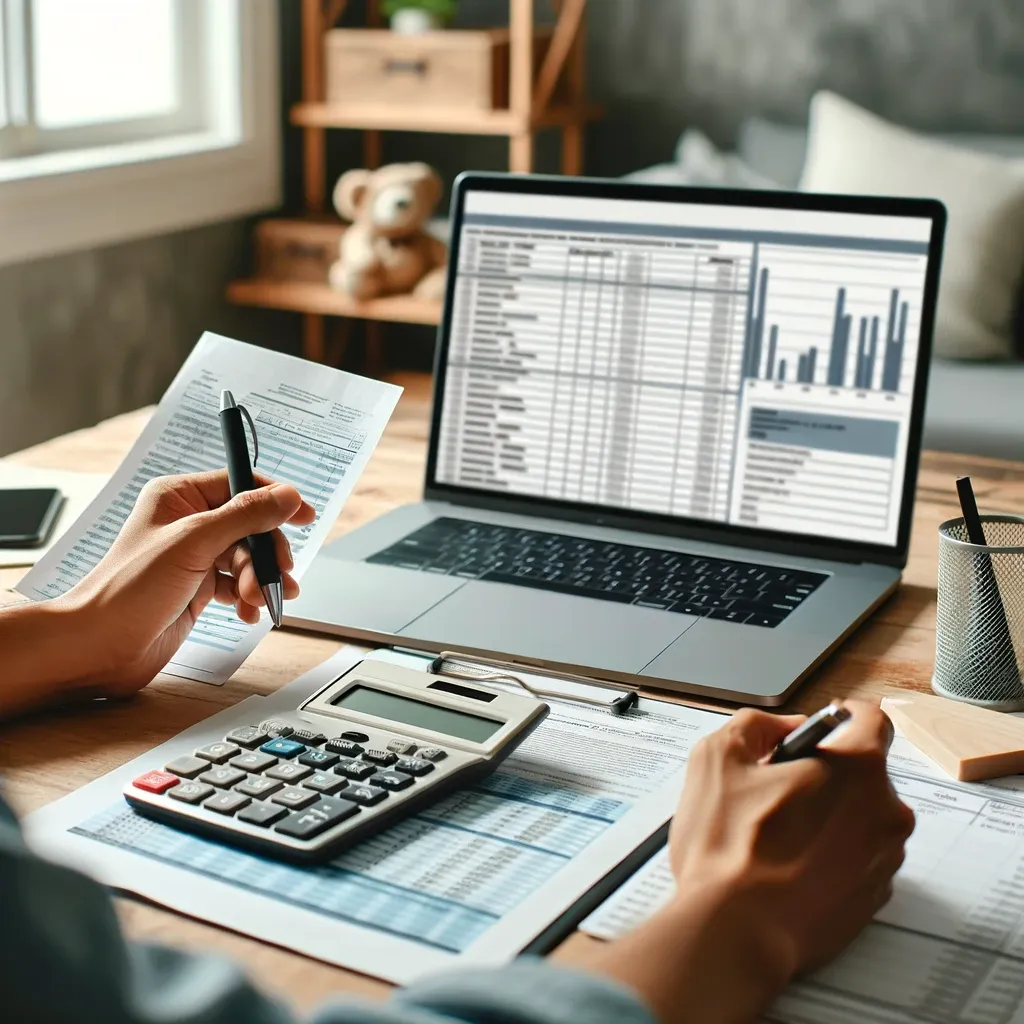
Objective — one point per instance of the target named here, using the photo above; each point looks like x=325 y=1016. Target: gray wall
x=88 y=335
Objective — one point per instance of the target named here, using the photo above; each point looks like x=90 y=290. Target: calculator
x=375 y=745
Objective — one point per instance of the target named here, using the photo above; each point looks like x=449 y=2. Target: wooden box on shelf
x=457 y=68
x=300 y=249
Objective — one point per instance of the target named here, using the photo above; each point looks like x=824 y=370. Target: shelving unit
x=531 y=108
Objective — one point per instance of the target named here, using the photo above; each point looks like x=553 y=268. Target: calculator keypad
x=294 y=797
x=282 y=748
x=254 y=761
x=318 y=759
x=187 y=767
x=218 y=753
x=289 y=779
x=290 y=771
x=347 y=748
x=226 y=803
x=223 y=777
x=191 y=792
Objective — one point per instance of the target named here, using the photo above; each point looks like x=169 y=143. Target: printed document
x=947 y=949
x=316 y=427
x=474 y=878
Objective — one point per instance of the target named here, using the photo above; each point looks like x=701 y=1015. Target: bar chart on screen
x=839 y=318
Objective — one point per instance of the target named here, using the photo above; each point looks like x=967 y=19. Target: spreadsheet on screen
x=752 y=366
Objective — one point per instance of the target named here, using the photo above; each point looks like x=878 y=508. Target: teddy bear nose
x=403 y=203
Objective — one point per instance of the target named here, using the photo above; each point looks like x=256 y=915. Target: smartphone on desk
x=28 y=515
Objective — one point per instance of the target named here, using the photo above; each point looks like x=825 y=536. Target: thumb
x=250 y=512
x=752 y=735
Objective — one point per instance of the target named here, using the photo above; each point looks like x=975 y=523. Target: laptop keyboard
x=741 y=592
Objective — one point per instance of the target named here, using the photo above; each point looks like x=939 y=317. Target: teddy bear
x=386 y=251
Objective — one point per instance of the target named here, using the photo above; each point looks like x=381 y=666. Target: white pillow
x=853 y=151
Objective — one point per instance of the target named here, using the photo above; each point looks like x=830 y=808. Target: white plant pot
x=411 y=21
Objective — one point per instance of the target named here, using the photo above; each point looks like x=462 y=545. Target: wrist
x=711 y=956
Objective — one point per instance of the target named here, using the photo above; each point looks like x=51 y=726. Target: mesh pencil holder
x=979 y=630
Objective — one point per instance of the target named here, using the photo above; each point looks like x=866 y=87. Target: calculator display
x=382 y=704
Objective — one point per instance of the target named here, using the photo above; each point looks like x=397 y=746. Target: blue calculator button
x=283 y=748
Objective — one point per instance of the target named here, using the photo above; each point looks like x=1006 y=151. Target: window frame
x=217 y=159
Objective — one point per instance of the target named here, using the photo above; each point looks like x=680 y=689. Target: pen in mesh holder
x=979 y=630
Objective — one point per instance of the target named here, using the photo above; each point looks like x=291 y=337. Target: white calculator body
x=372 y=747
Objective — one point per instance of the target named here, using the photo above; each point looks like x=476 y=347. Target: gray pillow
x=778 y=151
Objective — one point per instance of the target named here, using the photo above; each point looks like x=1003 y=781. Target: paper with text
x=316 y=426
x=475 y=877
x=947 y=949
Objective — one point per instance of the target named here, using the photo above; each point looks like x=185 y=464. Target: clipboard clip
x=619 y=699
x=252 y=428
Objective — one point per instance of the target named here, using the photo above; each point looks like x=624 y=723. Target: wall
x=88 y=335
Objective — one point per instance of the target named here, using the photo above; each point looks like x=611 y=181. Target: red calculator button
x=156 y=782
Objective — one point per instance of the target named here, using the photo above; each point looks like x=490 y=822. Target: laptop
x=675 y=436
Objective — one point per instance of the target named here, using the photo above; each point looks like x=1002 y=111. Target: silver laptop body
x=675 y=436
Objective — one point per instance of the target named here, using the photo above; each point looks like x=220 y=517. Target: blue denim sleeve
x=63 y=958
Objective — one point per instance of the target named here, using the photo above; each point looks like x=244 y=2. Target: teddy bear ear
x=350 y=191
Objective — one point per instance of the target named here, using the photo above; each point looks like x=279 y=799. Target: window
x=120 y=118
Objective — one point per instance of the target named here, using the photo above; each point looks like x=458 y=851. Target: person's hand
x=778 y=867
x=182 y=547
x=812 y=844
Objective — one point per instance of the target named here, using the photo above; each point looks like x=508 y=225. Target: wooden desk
x=49 y=756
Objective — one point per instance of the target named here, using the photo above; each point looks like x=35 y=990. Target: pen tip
x=227 y=400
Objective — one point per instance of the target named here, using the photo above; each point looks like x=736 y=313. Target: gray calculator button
x=413 y=766
x=254 y=761
x=375 y=755
x=347 y=748
x=218 y=753
x=275 y=728
x=392 y=780
x=318 y=759
x=226 y=803
x=293 y=797
x=311 y=737
x=187 y=767
x=262 y=814
x=325 y=782
x=401 y=747
x=433 y=753
x=365 y=795
x=289 y=772
x=222 y=777
x=259 y=786
x=247 y=736
x=357 y=770
x=322 y=815
x=190 y=792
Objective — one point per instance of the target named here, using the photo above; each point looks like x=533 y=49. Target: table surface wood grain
x=45 y=757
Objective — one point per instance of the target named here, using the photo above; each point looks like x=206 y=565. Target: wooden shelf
x=305 y=297
x=426 y=119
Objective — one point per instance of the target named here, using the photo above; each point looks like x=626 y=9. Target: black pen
x=804 y=739
x=261 y=545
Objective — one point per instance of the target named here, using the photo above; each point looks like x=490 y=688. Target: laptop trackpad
x=356 y=595
x=539 y=624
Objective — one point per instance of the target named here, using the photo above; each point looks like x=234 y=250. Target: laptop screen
x=745 y=365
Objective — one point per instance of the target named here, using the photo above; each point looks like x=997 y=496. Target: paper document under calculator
x=947 y=949
x=317 y=428
x=475 y=877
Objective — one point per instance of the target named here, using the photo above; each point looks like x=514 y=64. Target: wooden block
x=969 y=742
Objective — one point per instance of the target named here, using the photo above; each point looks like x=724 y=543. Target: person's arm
x=181 y=548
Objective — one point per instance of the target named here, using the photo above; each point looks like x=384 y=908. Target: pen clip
x=255 y=440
